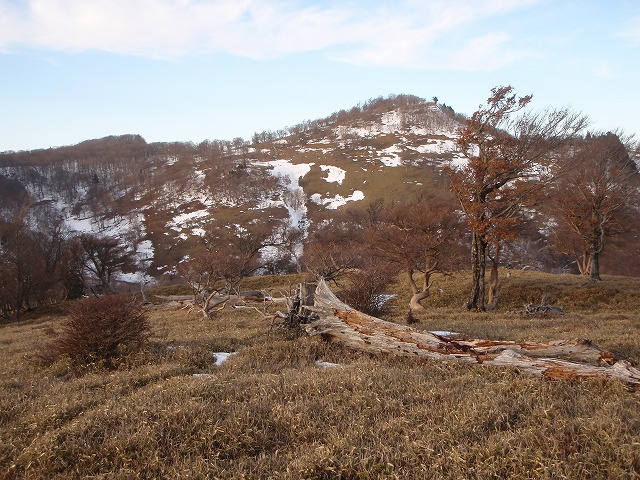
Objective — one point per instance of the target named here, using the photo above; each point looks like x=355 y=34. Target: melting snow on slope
x=323 y=364
x=338 y=200
x=286 y=169
x=294 y=199
x=438 y=146
x=143 y=258
x=181 y=221
x=334 y=174
x=389 y=156
x=221 y=357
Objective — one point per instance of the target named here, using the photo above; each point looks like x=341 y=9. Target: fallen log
x=565 y=359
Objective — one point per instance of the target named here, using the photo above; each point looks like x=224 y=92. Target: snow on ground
x=389 y=156
x=221 y=357
x=184 y=219
x=437 y=146
x=334 y=174
x=295 y=199
x=170 y=161
x=323 y=364
x=391 y=121
x=334 y=202
x=285 y=169
x=384 y=298
x=395 y=161
x=458 y=162
x=80 y=225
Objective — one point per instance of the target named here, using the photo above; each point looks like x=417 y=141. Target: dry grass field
x=271 y=412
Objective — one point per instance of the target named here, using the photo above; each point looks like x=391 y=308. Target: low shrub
x=99 y=330
x=366 y=287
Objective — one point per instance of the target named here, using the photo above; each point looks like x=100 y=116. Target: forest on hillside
x=537 y=191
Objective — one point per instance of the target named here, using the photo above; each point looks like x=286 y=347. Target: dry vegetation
x=271 y=412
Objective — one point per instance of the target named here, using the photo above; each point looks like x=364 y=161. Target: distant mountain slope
x=159 y=198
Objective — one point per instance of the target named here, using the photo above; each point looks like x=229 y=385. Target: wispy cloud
x=407 y=33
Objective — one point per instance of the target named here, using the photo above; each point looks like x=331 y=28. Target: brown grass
x=271 y=412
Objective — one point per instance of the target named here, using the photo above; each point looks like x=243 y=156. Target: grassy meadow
x=271 y=412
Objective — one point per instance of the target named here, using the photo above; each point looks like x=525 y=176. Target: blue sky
x=189 y=70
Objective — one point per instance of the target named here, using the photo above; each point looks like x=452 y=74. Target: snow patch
x=323 y=364
x=180 y=221
x=334 y=174
x=221 y=357
x=438 y=146
x=287 y=170
x=334 y=202
x=389 y=156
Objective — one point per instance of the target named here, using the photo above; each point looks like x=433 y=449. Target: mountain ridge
x=166 y=194
x=160 y=198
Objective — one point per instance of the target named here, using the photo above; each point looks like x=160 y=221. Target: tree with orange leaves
x=508 y=163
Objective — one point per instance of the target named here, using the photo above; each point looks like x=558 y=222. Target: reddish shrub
x=99 y=330
x=366 y=288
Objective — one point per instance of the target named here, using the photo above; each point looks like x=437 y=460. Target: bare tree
x=21 y=270
x=102 y=257
x=419 y=237
x=333 y=249
x=596 y=199
x=226 y=256
x=507 y=151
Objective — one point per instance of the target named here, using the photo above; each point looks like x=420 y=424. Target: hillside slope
x=159 y=198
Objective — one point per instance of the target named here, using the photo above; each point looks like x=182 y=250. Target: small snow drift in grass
x=180 y=221
x=323 y=364
x=459 y=162
x=438 y=146
x=444 y=333
x=338 y=200
x=389 y=156
x=384 y=298
x=221 y=357
x=334 y=174
x=203 y=375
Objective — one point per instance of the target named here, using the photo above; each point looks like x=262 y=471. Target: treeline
x=42 y=263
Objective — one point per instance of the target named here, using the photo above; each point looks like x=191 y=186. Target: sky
x=190 y=70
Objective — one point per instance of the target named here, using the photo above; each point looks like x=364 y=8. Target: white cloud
x=407 y=33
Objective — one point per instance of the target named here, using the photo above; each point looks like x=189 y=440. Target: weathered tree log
x=564 y=359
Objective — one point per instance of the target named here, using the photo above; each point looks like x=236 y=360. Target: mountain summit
x=160 y=198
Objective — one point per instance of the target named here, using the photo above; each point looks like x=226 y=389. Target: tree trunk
x=594 y=267
x=597 y=243
x=584 y=263
x=492 y=301
x=414 y=303
x=479 y=259
x=567 y=359
x=418 y=294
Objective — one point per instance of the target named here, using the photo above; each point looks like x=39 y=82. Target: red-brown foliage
x=99 y=330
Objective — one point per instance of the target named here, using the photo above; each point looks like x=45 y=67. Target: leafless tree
x=596 y=199
x=102 y=257
x=227 y=255
x=418 y=237
x=333 y=249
